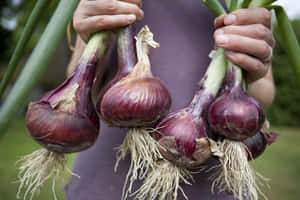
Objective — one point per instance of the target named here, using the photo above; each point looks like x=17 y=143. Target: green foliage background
x=285 y=109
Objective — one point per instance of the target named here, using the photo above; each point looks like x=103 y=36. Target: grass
x=15 y=144
x=279 y=163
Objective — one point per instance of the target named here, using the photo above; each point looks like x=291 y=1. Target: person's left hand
x=247 y=38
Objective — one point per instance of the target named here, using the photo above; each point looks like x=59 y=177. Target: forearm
x=263 y=90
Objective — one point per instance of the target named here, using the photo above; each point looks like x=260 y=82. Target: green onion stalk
x=37 y=63
x=64 y=120
x=33 y=19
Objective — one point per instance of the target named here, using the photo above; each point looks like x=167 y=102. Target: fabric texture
x=184 y=30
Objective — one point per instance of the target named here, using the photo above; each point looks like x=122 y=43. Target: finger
x=249 y=16
x=113 y=7
x=98 y=23
x=137 y=2
x=219 y=21
x=254 y=67
x=258 y=48
x=255 y=31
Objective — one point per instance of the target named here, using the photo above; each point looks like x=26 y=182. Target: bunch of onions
x=183 y=139
x=63 y=121
x=136 y=101
x=236 y=116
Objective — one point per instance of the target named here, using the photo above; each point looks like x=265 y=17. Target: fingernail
x=142 y=13
x=131 y=18
x=229 y=19
x=221 y=39
x=219 y=32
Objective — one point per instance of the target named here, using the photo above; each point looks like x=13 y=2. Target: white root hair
x=36 y=168
x=144 y=151
x=234 y=174
x=163 y=182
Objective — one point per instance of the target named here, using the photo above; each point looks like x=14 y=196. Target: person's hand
x=95 y=15
x=247 y=38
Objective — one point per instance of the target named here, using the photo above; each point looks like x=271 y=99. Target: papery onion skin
x=70 y=127
x=64 y=120
x=60 y=131
x=135 y=102
x=181 y=147
x=138 y=99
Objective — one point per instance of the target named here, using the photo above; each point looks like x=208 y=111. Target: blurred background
x=279 y=162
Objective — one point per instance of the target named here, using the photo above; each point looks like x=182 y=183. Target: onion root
x=143 y=150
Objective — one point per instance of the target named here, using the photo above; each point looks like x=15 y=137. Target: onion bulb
x=63 y=121
x=183 y=139
x=136 y=101
x=236 y=116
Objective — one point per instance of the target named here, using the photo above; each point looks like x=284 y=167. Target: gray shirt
x=184 y=29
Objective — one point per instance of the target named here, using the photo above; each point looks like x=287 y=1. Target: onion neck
x=210 y=83
x=93 y=53
x=80 y=82
x=126 y=49
x=234 y=77
x=144 y=41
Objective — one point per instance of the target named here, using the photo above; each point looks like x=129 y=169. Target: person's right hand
x=95 y=15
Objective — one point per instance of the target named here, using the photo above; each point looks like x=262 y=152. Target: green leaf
x=289 y=38
x=38 y=61
x=260 y=3
x=245 y=3
x=215 y=6
x=33 y=19
x=228 y=4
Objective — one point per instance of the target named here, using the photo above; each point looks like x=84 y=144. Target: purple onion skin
x=184 y=134
x=135 y=102
x=126 y=59
x=257 y=144
x=73 y=126
x=135 y=98
x=234 y=114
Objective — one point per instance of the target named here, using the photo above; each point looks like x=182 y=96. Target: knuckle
x=266 y=14
x=262 y=31
x=77 y=24
x=238 y=59
x=139 y=3
x=227 y=29
x=101 y=21
x=239 y=12
x=136 y=10
x=257 y=67
x=111 y=6
x=266 y=49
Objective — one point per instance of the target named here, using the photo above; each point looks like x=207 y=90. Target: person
x=186 y=35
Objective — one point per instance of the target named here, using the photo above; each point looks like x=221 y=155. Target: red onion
x=64 y=120
x=257 y=144
x=136 y=101
x=126 y=59
x=183 y=138
x=237 y=116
